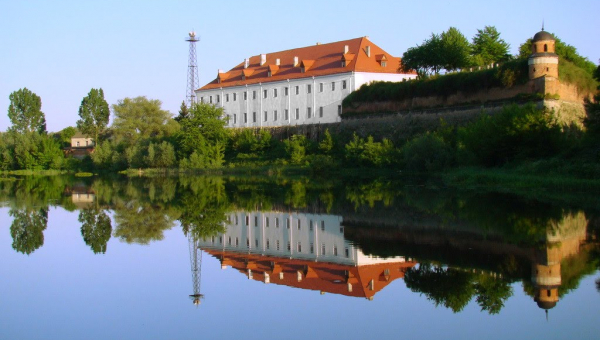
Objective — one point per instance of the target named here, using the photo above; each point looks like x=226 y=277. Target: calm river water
x=225 y=258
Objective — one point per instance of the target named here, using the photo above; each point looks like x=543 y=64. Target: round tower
x=543 y=60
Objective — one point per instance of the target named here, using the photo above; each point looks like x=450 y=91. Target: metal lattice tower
x=192 y=77
x=196 y=264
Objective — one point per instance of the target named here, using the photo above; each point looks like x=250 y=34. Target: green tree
x=326 y=145
x=426 y=58
x=66 y=134
x=183 y=112
x=456 y=49
x=25 y=112
x=488 y=47
x=94 y=114
x=203 y=128
x=96 y=229
x=27 y=229
x=141 y=119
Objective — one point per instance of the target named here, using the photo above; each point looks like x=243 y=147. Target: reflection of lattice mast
x=196 y=263
x=192 y=78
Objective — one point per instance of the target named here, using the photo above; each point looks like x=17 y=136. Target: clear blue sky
x=62 y=49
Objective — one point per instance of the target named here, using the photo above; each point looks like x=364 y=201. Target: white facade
x=299 y=101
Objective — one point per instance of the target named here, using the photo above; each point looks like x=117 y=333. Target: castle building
x=299 y=86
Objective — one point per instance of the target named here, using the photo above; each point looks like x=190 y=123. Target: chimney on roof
x=277 y=62
x=263 y=59
x=220 y=71
x=368 y=50
x=295 y=61
x=246 y=62
x=346 y=49
x=318 y=43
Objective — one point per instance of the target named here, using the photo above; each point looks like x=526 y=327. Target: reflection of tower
x=192 y=78
x=562 y=240
x=196 y=263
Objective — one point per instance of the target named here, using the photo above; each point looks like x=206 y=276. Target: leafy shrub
x=516 y=133
x=368 y=152
x=426 y=153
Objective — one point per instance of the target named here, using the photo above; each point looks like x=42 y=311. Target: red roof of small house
x=318 y=60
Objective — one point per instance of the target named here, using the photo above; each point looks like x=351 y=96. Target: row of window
x=275 y=115
x=265 y=93
x=311 y=223
x=289 y=246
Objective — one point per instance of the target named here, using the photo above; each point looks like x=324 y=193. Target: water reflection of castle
x=306 y=251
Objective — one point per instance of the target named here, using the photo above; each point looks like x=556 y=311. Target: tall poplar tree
x=94 y=113
x=25 y=112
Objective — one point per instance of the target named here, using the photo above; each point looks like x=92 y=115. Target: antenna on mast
x=192 y=76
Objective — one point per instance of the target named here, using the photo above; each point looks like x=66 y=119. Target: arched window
x=545 y=47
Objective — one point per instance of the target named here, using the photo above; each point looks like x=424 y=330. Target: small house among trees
x=81 y=145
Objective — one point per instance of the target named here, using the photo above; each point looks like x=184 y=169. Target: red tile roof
x=318 y=60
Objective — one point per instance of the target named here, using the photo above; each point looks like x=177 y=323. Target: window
x=275 y=115
x=265 y=93
x=247 y=242
x=340 y=110
x=308 y=88
x=236 y=220
x=227 y=97
x=321 y=112
x=299 y=247
x=299 y=224
x=245 y=95
x=253 y=94
x=287 y=114
x=343 y=63
x=265 y=118
x=234 y=96
x=310 y=225
x=247 y=220
x=323 y=252
x=332 y=86
x=312 y=248
x=343 y=84
x=322 y=225
x=256 y=221
x=545 y=47
x=289 y=246
x=277 y=244
x=297 y=89
x=276 y=222
x=347 y=251
x=245 y=117
x=287 y=223
x=268 y=244
x=309 y=112
x=201 y=99
x=297 y=113
x=253 y=117
x=234 y=118
x=274 y=93
x=383 y=63
x=267 y=222
x=286 y=91
x=320 y=87
x=218 y=98
x=210 y=99
x=256 y=243
x=334 y=250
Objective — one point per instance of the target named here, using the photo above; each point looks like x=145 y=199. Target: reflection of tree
x=204 y=208
x=138 y=222
x=27 y=229
x=95 y=229
x=491 y=293
x=449 y=287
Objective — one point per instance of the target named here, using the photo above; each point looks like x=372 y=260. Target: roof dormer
x=221 y=76
x=346 y=59
x=246 y=73
x=305 y=65
x=381 y=59
x=272 y=70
